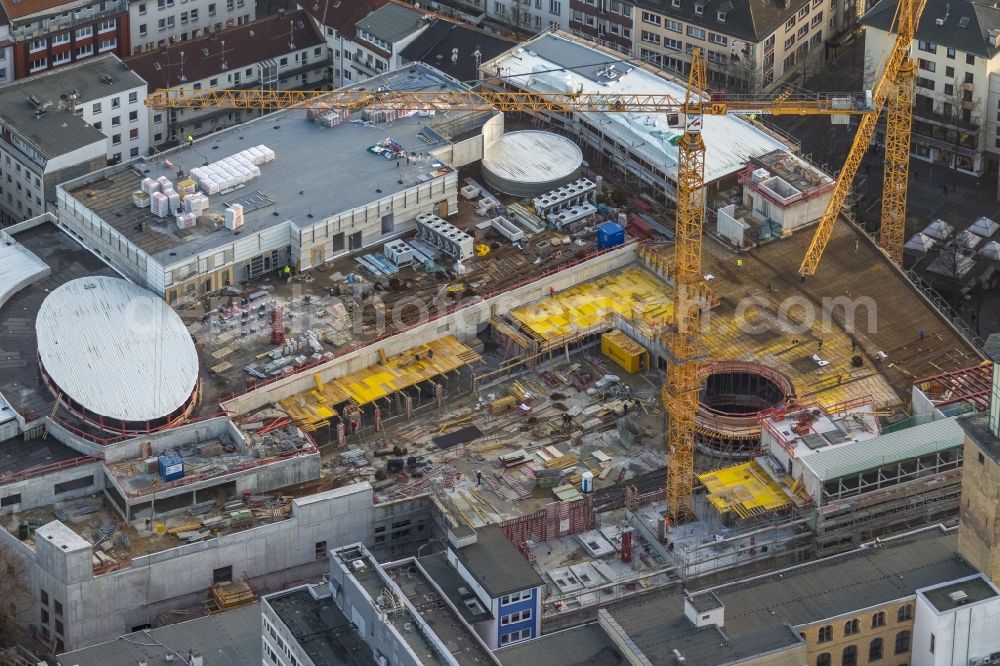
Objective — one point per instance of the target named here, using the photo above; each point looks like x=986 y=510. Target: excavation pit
x=734 y=395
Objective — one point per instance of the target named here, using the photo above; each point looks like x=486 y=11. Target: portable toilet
x=587 y=482
x=610 y=234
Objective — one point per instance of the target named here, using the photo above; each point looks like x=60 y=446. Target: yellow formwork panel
x=745 y=489
x=401 y=371
x=632 y=293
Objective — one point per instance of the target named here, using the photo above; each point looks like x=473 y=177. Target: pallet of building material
x=514 y=459
x=519 y=490
x=186 y=527
x=562 y=462
x=517 y=390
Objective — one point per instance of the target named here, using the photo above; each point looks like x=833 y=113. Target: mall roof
x=730 y=141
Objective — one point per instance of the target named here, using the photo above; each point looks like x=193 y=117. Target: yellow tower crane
x=895 y=87
x=681 y=388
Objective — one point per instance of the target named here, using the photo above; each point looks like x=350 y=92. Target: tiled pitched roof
x=229 y=50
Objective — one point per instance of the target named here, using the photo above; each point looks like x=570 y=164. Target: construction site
x=508 y=354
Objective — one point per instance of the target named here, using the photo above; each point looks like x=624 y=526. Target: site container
x=610 y=234
x=624 y=351
x=171 y=467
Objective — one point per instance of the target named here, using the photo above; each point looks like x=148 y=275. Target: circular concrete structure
x=117 y=355
x=735 y=395
x=526 y=164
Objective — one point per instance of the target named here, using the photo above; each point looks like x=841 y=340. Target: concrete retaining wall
x=463 y=324
x=40 y=491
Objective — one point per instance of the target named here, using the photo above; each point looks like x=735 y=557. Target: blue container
x=171 y=467
x=610 y=234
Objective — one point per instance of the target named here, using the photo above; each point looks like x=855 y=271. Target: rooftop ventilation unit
x=958 y=597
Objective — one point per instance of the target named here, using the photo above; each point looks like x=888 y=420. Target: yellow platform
x=379 y=381
x=632 y=292
x=746 y=489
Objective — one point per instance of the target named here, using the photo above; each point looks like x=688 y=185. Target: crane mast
x=896 y=86
x=681 y=388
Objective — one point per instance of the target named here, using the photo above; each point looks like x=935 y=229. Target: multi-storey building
x=49 y=33
x=6 y=50
x=160 y=23
x=746 y=46
x=956 y=113
x=337 y=21
x=65 y=123
x=379 y=38
x=607 y=22
x=530 y=16
x=280 y=52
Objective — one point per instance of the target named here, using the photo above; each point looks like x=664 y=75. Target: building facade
x=52 y=33
x=607 y=22
x=745 y=48
x=956 y=111
x=280 y=52
x=155 y=24
x=337 y=22
x=379 y=39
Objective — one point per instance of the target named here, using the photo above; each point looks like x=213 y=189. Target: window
x=143 y=31
x=516 y=597
x=37 y=45
x=107 y=24
x=194 y=15
x=927 y=47
x=816 y=20
x=825 y=634
x=116 y=121
x=902 y=642
x=674 y=44
x=158 y=137
x=650 y=37
x=789 y=42
x=932 y=643
x=59 y=624
x=555 y=7
x=184 y=17
x=878 y=619
x=11 y=500
x=927 y=84
x=803 y=31
x=62 y=38
x=949 y=89
x=715 y=38
x=133 y=134
x=982 y=458
x=116 y=139
x=968 y=77
x=84 y=33
x=650 y=18
x=802 y=12
x=44 y=597
x=211 y=9
x=107 y=44
x=515 y=636
x=45 y=616
x=133 y=152
x=849 y=657
x=699 y=9
x=84 y=51
x=851 y=627
x=97 y=126
x=697 y=33
x=673 y=26
x=222 y=575
x=61 y=58
x=513 y=618
x=142 y=9
x=40 y=63
x=790 y=23
x=824 y=659
x=721 y=16
x=769 y=42
x=970 y=59
x=926 y=65
x=875 y=650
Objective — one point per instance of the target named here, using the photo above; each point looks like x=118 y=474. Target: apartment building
x=379 y=39
x=607 y=22
x=6 y=52
x=63 y=124
x=747 y=45
x=280 y=52
x=49 y=33
x=337 y=21
x=156 y=24
x=530 y=16
x=956 y=113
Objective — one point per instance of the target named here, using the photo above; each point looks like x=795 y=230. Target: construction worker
x=286 y=272
x=739 y=263
x=190 y=140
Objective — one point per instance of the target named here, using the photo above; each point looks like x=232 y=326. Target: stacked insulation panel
x=185 y=220
x=140 y=199
x=149 y=186
x=234 y=217
x=186 y=187
x=174 y=199
x=327 y=116
x=232 y=171
x=196 y=203
x=159 y=204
